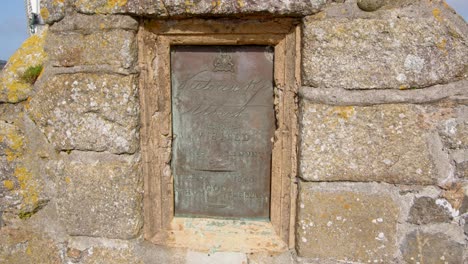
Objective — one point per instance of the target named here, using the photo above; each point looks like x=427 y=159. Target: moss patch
x=13 y=88
x=31 y=74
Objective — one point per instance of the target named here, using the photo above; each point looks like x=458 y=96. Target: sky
x=13 y=29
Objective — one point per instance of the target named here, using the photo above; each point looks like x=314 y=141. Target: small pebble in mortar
x=370 y=5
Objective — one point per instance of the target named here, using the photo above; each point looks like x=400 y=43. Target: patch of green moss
x=31 y=74
x=27 y=214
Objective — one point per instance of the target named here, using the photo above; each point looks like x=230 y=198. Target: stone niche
x=175 y=213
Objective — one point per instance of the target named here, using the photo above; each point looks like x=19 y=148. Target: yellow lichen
x=68 y=180
x=442 y=45
x=344 y=112
x=216 y=3
x=436 y=14
x=16 y=141
x=44 y=13
x=240 y=3
x=112 y=3
x=29 y=54
x=28 y=251
x=57 y=2
x=27 y=186
x=188 y=5
x=9 y=185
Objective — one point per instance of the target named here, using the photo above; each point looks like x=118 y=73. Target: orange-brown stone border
x=160 y=226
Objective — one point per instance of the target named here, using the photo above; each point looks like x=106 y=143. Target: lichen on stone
x=31 y=53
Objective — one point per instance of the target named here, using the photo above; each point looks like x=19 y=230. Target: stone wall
x=383 y=152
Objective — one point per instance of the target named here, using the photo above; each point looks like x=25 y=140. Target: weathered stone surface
x=54 y=10
x=420 y=247
x=346 y=222
x=462 y=170
x=425 y=210
x=87 y=24
x=23 y=149
x=97 y=112
x=268 y=258
x=375 y=143
x=31 y=53
x=243 y=7
x=370 y=5
x=116 y=48
x=454 y=131
x=381 y=53
x=97 y=255
x=456 y=91
x=11 y=148
x=138 y=7
x=84 y=40
x=22 y=246
x=99 y=194
x=465 y=227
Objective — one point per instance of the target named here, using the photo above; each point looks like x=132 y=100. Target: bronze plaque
x=223 y=126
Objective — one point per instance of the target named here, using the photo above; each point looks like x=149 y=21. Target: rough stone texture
x=99 y=194
x=465 y=227
x=454 y=131
x=346 y=222
x=23 y=246
x=11 y=147
x=268 y=258
x=87 y=24
x=375 y=143
x=381 y=53
x=154 y=8
x=242 y=7
x=461 y=165
x=96 y=112
x=24 y=187
x=456 y=91
x=97 y=255
x=52 y=10
x=81 y=40
x=420 y=247
x=55 y=9
x=31 y=53
x=425 y=210
x=370 y=5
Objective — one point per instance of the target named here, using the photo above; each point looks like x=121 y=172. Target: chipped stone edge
x=457 y=91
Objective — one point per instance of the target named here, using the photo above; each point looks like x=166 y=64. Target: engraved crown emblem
x=223 y=62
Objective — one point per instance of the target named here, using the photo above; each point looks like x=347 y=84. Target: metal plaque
x=223 y=125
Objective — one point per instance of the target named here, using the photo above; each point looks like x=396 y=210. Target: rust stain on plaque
x=223 y=124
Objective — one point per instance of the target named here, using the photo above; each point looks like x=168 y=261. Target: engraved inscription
x=223 y=124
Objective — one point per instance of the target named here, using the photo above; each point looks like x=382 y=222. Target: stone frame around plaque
x=160 y=226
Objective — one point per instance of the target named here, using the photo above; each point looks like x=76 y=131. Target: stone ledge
x=457 y=91
x=86 y=24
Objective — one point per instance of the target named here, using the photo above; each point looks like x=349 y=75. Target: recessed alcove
x=166 y=221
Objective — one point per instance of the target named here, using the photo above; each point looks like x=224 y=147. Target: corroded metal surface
x=223 y=124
